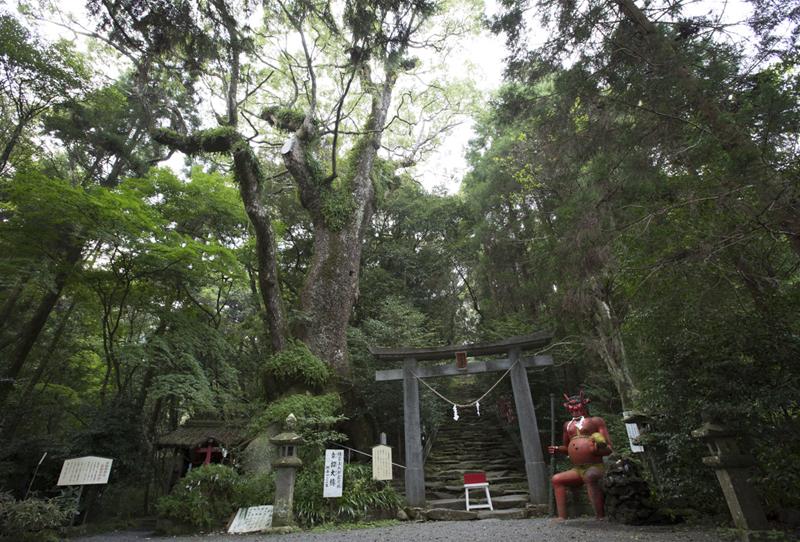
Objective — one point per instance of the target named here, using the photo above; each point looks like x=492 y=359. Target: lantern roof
x=710 y=431
x=288 y=437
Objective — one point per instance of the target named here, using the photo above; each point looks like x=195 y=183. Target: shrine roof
x=522 y=342
x=196 y=432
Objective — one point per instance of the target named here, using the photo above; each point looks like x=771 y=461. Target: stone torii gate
x=512 y=347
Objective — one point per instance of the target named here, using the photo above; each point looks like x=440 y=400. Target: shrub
x=296 y=364
x=32 y=518
x=302 y=406
x=361 y=496
x=317 y=415
x=208 y=495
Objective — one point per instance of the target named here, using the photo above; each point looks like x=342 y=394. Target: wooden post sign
x=633 y=434
x=252 y=519
x=84 y=471
x=461 y=360
x=381 y=462
x=333 y=480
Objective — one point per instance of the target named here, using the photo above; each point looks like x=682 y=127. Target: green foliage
x=361 y=496
x=395 y=322
x=302 y=405
x=317 y=415
x=207 y=496
x=296 y=363
x=29 y=518
x=377 y=524
x=284 y=118
x=337 y=207
x=48 y=71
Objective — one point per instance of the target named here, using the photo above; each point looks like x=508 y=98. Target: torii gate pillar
x=535 y=468
x=415 y=469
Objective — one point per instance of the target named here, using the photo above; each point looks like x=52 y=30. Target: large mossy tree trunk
x=331 y=289
x=340 y=209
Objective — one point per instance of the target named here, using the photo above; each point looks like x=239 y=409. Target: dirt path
x=538 y=530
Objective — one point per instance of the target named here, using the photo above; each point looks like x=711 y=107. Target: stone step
x=503 y=502
x=483 y=442
x=450 y=504
x=510 y=513
x=494 y=455
x=458 y=473
x=500 y=502
x=447 y=514
x=475 y=444
x=506 y=488
x=438 y=495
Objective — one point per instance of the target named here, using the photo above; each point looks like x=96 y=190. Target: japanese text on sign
x=252 y=519
x=83 y=471
x=333 y=480
x=381 y=463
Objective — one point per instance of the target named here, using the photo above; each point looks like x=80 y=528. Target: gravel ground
x=538 y=530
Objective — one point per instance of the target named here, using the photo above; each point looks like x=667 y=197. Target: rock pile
x=628 y=498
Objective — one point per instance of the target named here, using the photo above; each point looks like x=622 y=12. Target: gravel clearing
x=536 y=530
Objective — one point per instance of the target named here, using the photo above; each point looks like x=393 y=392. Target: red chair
x=477 y=480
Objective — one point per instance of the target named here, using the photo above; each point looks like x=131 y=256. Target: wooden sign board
x=333 y=480
x=633 y=433
x=381 y=463
x=250 y=520
x=84 y=471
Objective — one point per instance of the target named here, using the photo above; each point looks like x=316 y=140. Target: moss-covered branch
x=285 y=119
x=219 y=139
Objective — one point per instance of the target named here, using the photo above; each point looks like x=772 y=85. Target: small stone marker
x=333 y=480
x=381 y=462
x=84 y=471
x=252 y=519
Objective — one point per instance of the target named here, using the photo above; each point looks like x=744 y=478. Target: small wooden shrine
x=204 y=442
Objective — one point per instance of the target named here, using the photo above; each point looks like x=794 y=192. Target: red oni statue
x=586 y=441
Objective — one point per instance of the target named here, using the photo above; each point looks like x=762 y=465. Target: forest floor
x=539 y=530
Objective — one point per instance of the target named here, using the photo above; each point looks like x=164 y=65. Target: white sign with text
x=333 y=481
x=252 y=519
x=84 y=471
x=381 y=462
x=633 y=434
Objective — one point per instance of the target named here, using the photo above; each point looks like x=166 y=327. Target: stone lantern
x=285 y=472
x=732 y=469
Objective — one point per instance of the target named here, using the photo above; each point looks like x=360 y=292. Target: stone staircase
x=474 y=444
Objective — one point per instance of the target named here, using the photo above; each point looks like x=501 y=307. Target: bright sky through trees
x=479 y=57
